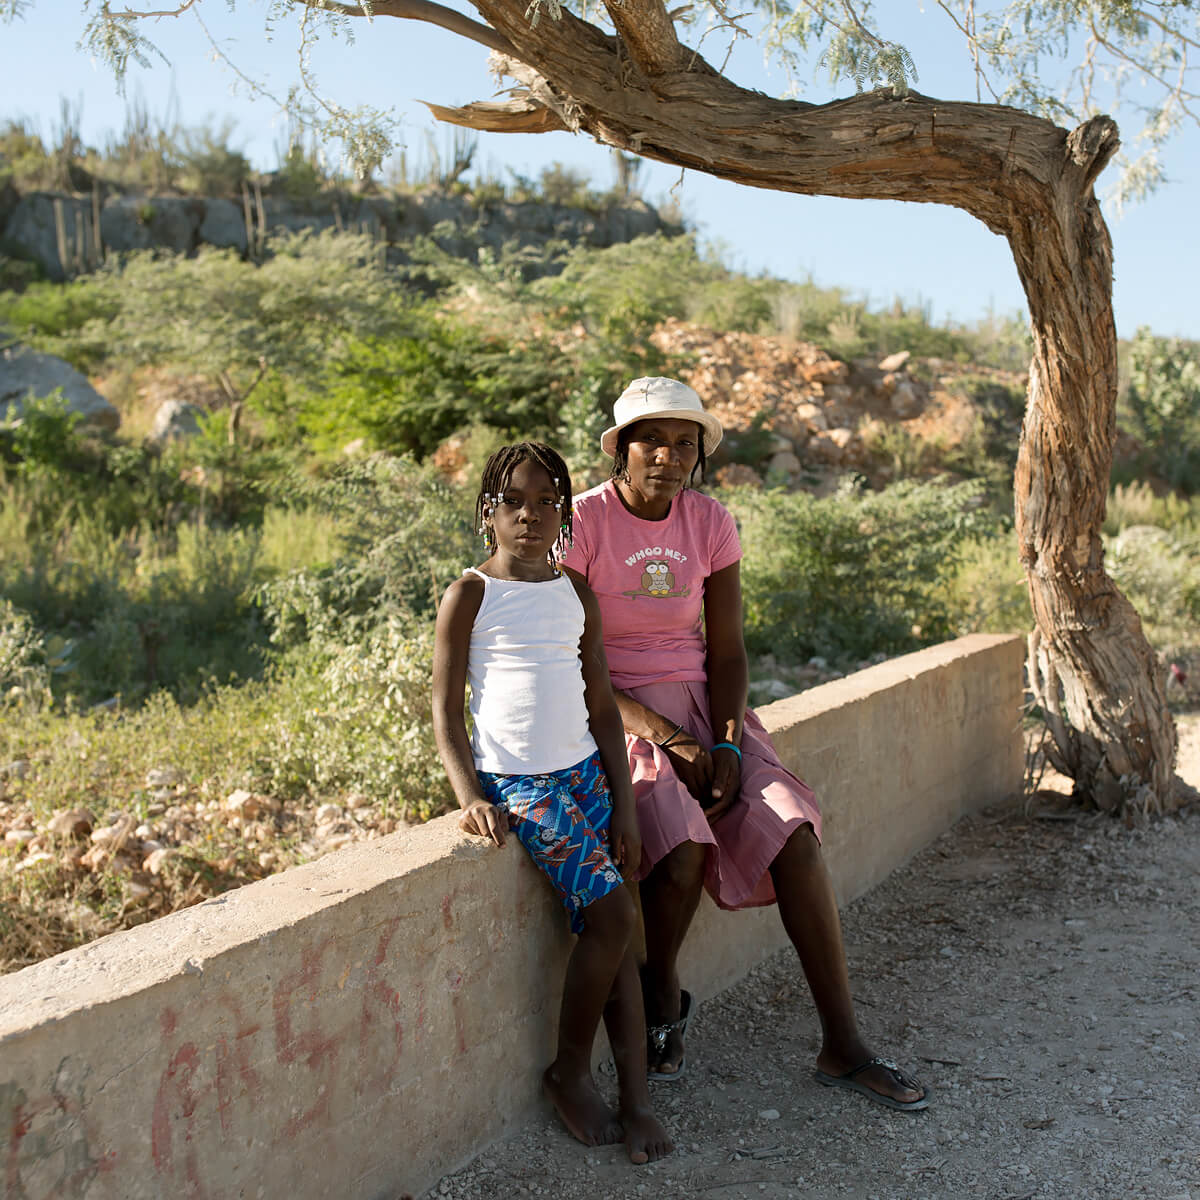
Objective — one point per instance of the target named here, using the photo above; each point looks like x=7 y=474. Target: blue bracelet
x=729 y=746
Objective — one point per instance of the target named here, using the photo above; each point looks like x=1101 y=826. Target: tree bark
x=1027 y=179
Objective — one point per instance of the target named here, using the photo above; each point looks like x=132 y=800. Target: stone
x=785 y=463
x=906 y=401
x=738 y=475
x=772 y=689
x=175 y=419
x=824 y=449
x=32 y=231
x=26 y=374
x=18 y=769
x=145 y=222
x=115 y=834
x=163 y=777
x=824 y=370
x=33 y=860
x=224 y=225
x=77 y=823
x=241 y=803
x=812 y=415
x=156 y=860
x=357 y=800
x=327 y=813
x=19 y=837
x=135 y=891
x=894 y=362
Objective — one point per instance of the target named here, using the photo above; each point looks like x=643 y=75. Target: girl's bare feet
x=645 y=1138
x=581 y=1107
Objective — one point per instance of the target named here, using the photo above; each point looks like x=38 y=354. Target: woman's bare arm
x=728 y=678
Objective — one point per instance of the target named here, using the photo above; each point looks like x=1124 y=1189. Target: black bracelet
x=670 y=737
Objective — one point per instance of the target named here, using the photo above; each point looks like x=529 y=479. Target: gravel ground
x=1037 y=966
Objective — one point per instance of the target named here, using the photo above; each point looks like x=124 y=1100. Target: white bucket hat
x=657 y=396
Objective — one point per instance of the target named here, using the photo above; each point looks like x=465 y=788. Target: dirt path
x=1041 y=971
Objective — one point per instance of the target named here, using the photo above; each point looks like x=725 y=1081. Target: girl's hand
x=727 y=782
x=484 y=820
x=625 y=840
x=693 y=764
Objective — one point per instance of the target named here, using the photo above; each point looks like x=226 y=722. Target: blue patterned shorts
x=562 y=819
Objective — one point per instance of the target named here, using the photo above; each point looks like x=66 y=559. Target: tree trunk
x=1090 y=667
x=1024 y=177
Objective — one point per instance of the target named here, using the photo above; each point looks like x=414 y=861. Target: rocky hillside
x=68 y=234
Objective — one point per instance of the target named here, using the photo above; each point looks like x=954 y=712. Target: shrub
x=409 y=391
x=1164 y=399
x=855 y=573
x=24 y=673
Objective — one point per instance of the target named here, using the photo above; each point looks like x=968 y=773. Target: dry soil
x=1038 y=966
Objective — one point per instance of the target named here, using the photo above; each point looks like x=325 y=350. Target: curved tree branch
x=422 y=10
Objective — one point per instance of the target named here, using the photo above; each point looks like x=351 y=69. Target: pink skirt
x=743 y=842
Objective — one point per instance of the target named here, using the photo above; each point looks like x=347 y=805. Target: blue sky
x=876 y=250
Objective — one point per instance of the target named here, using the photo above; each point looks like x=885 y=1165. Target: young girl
x=547 y=761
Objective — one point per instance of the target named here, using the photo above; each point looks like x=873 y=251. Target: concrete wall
x=358 y=1026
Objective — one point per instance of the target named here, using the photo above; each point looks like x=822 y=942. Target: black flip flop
x=850 y=1080
x=656 y=1038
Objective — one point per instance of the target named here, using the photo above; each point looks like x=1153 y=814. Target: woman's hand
x=727 y=781
x=693 y=764
x=484 y=820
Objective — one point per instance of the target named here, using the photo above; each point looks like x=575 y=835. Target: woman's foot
x=667 y=1013
x=645 y=1138
x=581 y=1107
x=877 y=1078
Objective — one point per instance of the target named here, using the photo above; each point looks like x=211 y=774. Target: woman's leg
x=809 y=910
x=591 y=973
x=670 y=894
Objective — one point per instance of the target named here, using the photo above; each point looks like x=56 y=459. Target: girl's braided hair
x=497 y=474
x=620 y=463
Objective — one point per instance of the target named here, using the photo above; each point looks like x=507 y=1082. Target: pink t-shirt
x=649 y=578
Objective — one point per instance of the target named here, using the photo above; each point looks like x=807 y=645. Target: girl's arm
x=455 y=618
x=604 y=720
x=728 y=680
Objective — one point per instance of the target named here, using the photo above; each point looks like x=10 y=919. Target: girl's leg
x=808 y=907
x=624 y=1019
x=591 y=971
x=670 y=894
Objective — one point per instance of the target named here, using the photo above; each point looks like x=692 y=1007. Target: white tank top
x=526 y=678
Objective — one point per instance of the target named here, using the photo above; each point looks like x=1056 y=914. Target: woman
x=716 y=807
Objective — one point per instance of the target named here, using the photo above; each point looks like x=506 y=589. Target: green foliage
x=24 y=160
x=1137 y=504
x=1159 y=572
x=409 y=391
x=406 y=535
x=1164 y=399
x=358 y=717
x=209 y=166
x=24 y=673
x=65 y=319
x=989 y=589
x=855 y=573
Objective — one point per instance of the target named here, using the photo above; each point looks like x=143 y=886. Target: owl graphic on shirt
x=658 y=579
